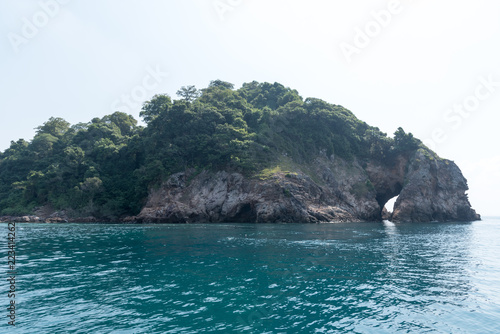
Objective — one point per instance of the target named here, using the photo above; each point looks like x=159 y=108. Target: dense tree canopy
x=105 y=167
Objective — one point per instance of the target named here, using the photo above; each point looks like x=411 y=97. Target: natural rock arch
x=429 y=189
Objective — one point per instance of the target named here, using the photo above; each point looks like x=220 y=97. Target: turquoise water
x=326 y=278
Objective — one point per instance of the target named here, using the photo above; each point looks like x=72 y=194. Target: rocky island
x=259 y=154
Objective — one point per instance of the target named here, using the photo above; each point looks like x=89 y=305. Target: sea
x=377 y=277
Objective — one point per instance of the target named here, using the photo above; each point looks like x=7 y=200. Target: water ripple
x=331 y=278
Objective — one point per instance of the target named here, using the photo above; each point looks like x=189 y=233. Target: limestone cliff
x=326 y=190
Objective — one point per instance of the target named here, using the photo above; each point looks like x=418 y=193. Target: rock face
x=434 y=190
x=329 y=189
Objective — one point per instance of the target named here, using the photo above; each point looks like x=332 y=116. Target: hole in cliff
x=245 y=214
x=389 y=206
x=387 y=196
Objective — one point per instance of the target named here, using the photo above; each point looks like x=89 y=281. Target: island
x=257 y=154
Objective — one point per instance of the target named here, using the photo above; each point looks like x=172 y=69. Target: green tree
x=152 y=109
x=43 y=144
x=188 y=93
x=126 y=123
x=90 y=188
x=55 y=126
x=221 y=84
x=405 y=141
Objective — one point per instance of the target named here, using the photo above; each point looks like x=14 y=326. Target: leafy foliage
x=189 y=93
x=87 y=168
x=105 y=167
x=405 y=141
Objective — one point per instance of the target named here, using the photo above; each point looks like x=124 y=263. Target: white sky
x=89 y=58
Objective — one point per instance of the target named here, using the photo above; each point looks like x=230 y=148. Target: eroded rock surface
x=434 y=190
x=331 y=189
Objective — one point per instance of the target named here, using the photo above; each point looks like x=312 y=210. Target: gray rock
x=329 y=190
x=434 y=190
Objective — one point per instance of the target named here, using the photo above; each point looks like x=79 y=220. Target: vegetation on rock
x=106 y=166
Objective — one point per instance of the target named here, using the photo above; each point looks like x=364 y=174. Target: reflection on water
x=349 y=277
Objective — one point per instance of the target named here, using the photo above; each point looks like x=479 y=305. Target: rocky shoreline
x=37 y=219
x=330 y=190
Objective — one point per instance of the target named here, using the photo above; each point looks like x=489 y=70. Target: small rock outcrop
x=331 y=189
x=20 y=219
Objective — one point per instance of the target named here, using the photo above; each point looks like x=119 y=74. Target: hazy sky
x=432 y=67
